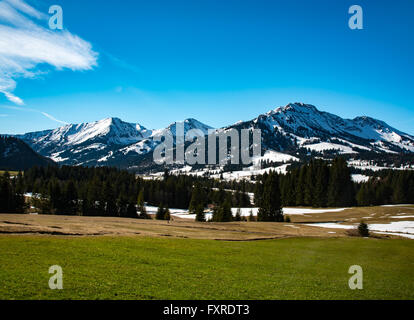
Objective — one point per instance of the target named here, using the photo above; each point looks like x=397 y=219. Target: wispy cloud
x=47 y=115
x=53 y=118
x=25 y=44
x=121 y=63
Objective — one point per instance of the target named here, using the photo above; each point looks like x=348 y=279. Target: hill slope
x=17 y=155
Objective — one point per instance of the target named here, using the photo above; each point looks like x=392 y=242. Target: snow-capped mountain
x=299 y=125
x=294 y=129
x=105 y=142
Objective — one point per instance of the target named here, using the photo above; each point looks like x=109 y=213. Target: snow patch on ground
x=358 y=178
x=245 y=212
x=401 y=217
x=399 y=228
x=330 y=146
x=274 y=156
x=396 y=205
x=300 y=211
x=404 y=235
x=330 y=225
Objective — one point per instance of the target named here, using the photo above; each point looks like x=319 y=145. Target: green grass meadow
x=169 y=268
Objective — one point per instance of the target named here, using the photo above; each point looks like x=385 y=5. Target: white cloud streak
x=53 y=118
x=47 y=115
x=122 y=64
x=25 y=44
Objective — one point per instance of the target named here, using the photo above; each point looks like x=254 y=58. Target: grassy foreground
x=169 y=268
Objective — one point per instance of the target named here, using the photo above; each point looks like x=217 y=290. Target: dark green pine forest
x=117 y=193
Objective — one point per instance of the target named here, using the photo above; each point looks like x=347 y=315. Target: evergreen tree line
x=112 y=192
x=390 y=187
x=319 y=184
x=11 y=194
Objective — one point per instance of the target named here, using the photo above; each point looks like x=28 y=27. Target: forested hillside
x=112 y=192
x=17 y=155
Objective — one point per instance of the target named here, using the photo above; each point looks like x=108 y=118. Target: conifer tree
x=300 y=187
x=199 y=212
x=238 y=215
x=197 y=198
x=167 y=214
x=363 y=229
x=217 y=214
x=70 y=198
x=271 y=205
x=109 y=200
x=141 y=206
x=341 y=189
x=227 y=215
x=131 y=211
x=321 y=185
x=251 y=217
x=160 y=215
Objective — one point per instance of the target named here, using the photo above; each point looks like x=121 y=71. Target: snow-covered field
x=274 y=156
x=245 y=212
x=396 y=205
x=300 y=211
x=370 y=165
x=174 y=212
x=399 y=228
x=322 y=146
x=402 y=227
x=401 y=217
x=246 y=174
x=330 y=225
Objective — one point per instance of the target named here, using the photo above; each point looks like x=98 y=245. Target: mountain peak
x=295 y=107
x=189 y=124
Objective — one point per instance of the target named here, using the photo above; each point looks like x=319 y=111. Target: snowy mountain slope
x=85 y=143
x=291 y=130
x=106 y=142
x=147 y=145
x=112 y=131
x=302 y=125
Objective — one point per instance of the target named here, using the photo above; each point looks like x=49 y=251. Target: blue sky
x=156 y=62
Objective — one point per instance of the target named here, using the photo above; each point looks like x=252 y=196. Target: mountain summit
x=300 y=125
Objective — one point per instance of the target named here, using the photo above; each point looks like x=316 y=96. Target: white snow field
x=399 y=228
x=274 y=156
x=322 y=146
x=401 y=217
x=331 y=225
x=300 y=211
x=397 y=205
x=245 y=212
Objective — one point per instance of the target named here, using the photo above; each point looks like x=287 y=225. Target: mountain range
x=295 y=129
